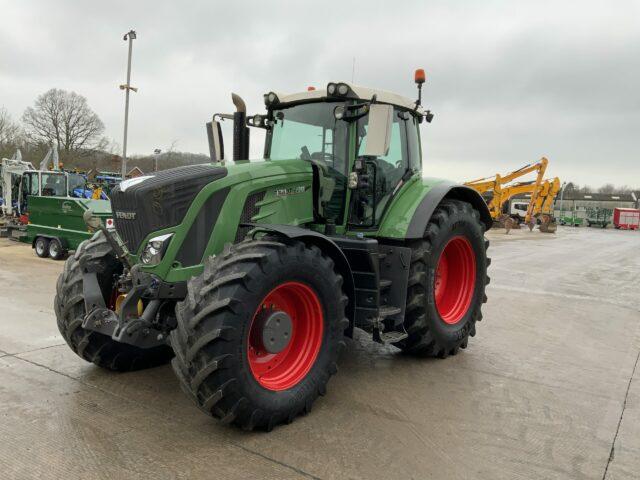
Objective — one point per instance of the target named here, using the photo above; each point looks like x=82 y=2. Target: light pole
x=130 y=36
x=561 y=198
x=156 y=154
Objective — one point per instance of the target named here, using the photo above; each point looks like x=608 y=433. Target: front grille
x=248 y=212
x=159 y=202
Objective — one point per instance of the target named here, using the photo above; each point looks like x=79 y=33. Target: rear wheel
x=260 y=331
x=447 y=282
x=42 y=247
x=56 y=251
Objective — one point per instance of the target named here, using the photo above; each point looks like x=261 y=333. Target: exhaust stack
x=240 y=129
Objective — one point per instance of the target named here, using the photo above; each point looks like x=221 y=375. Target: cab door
x=385 y=174
x=29 y=186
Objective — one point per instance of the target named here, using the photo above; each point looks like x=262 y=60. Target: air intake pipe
x=240 y=129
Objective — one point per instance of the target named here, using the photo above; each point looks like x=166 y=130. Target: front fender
x=327 y=245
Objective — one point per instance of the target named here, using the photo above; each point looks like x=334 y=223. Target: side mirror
x=216 y=145
x=379 y=131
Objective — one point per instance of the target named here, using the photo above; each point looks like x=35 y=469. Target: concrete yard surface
x=548 y=389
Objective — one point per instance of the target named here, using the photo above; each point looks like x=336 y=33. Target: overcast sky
x=508 y=81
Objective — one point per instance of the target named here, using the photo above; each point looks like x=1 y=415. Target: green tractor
x=250 y=275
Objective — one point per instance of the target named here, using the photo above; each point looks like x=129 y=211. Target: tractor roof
x=357 y=91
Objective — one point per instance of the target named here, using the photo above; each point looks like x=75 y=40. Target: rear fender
x=435 y=196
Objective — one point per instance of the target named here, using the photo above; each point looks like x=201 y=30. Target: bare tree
x=624 y=189
x=64 y=118
x=607 y=188
x=9 y=130
x=571 y=187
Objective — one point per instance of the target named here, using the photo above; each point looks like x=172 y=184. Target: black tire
x=56 y=250
x=211 y=342
x=69 y=307
x=42 y=247
x=429 y=335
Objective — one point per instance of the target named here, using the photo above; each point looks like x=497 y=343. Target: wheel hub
x=276 y=330
x=455 y=280
x=285 y=336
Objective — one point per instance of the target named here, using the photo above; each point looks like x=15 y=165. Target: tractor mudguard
x=432 y=199
x=326 y=244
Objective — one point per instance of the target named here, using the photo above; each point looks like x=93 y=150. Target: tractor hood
x=145 y=204
x=154 y=202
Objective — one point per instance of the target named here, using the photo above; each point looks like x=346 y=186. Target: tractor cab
x=50 y=183
x=363 y=144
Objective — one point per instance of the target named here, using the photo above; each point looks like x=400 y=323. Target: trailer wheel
x=42 y=247
x=447 y=280
x=92 y=346
x=259 y=333
x=56 y=251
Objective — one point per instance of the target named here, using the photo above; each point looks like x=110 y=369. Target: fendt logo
x=126 y=215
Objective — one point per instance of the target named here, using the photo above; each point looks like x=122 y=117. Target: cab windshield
x=311 y=132
x=54 y=184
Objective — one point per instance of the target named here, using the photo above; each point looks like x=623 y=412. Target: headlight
x=155 y=249
x=338 y=89
x=270 y=98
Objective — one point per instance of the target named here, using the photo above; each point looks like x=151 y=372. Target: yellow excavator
x=542 y=208
x=501 y=190
x=538 y=208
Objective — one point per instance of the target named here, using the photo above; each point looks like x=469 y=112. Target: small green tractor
x=251 y=275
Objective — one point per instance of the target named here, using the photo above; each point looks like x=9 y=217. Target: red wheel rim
x=455 y=280
x=287 y=368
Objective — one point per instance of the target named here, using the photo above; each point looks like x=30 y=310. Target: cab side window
x=413 y=144
x=32 y=184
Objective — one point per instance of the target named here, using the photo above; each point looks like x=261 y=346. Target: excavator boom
x=542 y=193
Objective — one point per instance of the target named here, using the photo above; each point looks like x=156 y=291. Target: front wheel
x=69 y=307
x=447 y=280
x=259 y=333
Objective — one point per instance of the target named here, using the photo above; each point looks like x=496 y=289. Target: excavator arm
x=502 y=192
x=542 y=192
x=551 y=194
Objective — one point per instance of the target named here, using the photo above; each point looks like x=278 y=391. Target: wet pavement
x=549 y=388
